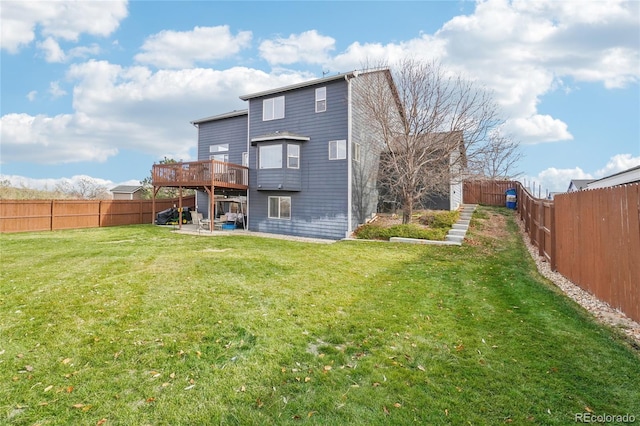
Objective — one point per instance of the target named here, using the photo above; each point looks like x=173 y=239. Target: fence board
x=590 y=237
x=598 y=244
x=47 y=215
x=488 y=192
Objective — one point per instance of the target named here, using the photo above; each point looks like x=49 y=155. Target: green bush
x=439 y=219
x=376 y=232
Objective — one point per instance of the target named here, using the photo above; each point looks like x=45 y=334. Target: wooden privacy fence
x=49 y=215
x=487 y=192
x=590 y=237
x=597 y=244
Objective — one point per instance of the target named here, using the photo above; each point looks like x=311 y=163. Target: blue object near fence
x=511 y=198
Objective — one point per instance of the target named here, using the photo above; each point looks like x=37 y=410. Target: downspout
x=246 y=223
x=197 y=155
x=349 y=159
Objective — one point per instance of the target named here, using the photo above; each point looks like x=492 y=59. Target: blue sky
x=105 y=89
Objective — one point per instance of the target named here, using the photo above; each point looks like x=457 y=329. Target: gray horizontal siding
x=232 y=130
x=319 y=209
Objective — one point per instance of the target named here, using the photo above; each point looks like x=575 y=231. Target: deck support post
x=211 y=206
x=153 y=204
x=180 y=208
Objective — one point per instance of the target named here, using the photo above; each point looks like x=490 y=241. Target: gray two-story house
x=312 y=159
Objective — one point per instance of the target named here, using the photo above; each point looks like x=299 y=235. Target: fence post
x=552 y=236
x=541 y=226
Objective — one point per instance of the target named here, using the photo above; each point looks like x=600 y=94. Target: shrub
x=371 y=231
x=439 y=219
x=376 y=232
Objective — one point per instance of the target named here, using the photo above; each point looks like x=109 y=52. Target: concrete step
x=418 y=241
x=464 y=226
x=462 y=232
x=455 y=238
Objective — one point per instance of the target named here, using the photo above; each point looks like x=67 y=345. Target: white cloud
x=32 y=95
x=557 y=180
x=117 y=108
x=51 y=49
x=309 y=46
x=59 y=20
x=524 y=50
x=55 y=90
x=538 y=128
x=183 y=49
x=61 y=139
x=618 y=163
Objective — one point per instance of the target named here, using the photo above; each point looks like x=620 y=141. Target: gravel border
x=602 y=311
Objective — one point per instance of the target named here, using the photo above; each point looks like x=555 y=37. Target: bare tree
x=436 y=123
x=497 y=159
x=84 y=188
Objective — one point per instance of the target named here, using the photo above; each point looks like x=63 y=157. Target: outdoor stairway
x=456 y=235
x=459 y=229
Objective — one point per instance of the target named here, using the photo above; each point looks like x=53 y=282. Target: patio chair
x=196 y=219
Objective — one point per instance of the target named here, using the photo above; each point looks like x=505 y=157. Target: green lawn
x=137 y=325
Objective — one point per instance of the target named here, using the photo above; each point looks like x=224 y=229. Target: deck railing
x=201 y=173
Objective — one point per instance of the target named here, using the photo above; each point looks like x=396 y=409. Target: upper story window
x=338 y=150
x=270 y=156
x=321 y=99
x=273 y=108
x=219 y=152
x=355 y=153
x=245 y=159
x=293 y=156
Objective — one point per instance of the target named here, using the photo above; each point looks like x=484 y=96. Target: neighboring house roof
x=631 y=175
x=236 y=113
x=578 y=184
x=126 y=189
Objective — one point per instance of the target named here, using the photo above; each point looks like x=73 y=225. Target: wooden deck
x=201 y=174
x=207 y=176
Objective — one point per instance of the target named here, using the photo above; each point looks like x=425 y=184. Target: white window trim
x=273 y=102
x=321 y=99
x=293 y=156
x=270 y=214
x=225 y=157
x=221 y=147
x=245 y=159
x=356 y=152
x=337 y=144
x=260 y=166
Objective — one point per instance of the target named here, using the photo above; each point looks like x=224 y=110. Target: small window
x=245 y=159
x=321 y=99
x=293 y=156
x=219 y=152
x=337 y=150
x=273 y=108
x=355 y=154
x=279 y=207
x=223 y=147
x=220 y=157
x=270 y=156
